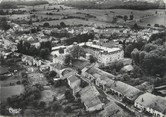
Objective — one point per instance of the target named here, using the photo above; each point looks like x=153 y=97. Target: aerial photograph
x=82 y=58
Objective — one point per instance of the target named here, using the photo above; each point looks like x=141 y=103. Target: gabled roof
x=89 y=93
x=90 y=96
x=73 y=78
x=74 y=83
x=92 y=102
x=155 y=102
x=125 y=89
x=112 y=110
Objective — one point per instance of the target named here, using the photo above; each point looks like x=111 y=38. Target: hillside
x=124 y=4
x=100 y=4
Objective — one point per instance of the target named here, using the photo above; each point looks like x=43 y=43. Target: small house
x=74 y=83
x=90 y=96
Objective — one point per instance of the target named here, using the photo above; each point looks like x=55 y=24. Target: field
x=161 y=20
x=9 y=91
x=100 y=17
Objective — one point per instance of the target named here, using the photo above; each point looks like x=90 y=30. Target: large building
x=155 y=105
x=103 y=54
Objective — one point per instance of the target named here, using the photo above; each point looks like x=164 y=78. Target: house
x=90 y=96
x=152 y=104
x=74 y=83
x=29 y=60
x=127 y=92
x=112 y=110
x=91 y=72
x=44 y=68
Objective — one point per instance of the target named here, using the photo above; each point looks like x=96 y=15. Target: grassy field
x=101 y=17
x=10 y=91
x=75 y=22
x=160 y=19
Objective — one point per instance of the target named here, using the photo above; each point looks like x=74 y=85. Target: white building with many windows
x=103 y=54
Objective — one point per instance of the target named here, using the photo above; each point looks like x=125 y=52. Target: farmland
x=54 y=14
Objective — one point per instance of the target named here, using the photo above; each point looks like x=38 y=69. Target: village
x=69 y=78
x=63 y=61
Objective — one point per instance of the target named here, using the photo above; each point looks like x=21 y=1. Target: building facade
x=104 y=55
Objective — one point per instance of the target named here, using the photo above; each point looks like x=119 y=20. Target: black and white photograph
x=82 y=58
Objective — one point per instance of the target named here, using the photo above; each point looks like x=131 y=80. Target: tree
x=67 y=109
x=129 y=48
x=62 y=25
x=42 y=104
x=61 y=51
x=76 y=51
x=156 y=12
x=156 y=25
x=92 y=59
x=149 y=47
x=155 y=62
x=68 y=94
x=131 y=17
x=56 y=107
x=44 y=53
x=33 y=50
x=68 y=59
x=114 y=20
x=116 y=65
x=148 y=24
x=46 y=44
x=125 y=18
x=52 y=74
x=3 y=24
x=46 y=24
x=135 y=56
x=135 y=27
x=83 y=84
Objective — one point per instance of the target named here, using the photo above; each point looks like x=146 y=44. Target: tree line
x=135 y=5
x=43 y=51
x=152 y=57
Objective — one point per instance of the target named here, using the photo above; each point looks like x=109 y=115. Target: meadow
x=9 y=91
x=100 y=17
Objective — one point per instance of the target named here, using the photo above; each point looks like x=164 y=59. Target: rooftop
x=102 y=48
x=73 y=78
x=90 y=96
x=155 y=102
x=107 y=79
x=89 y=92
x=112 y=110
x=127 y=90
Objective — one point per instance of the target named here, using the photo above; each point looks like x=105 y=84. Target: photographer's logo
x=14 y=111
